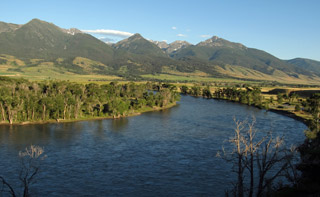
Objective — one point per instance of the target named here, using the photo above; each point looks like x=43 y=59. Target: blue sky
x=284 y=28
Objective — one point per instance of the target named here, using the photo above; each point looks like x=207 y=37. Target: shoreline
x=90 y=118
x=278 y=111
x=290 y=115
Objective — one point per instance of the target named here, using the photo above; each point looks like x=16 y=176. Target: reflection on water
x=119 y=124
x=169 y=152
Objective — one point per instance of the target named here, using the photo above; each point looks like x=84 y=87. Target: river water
x=163 y=153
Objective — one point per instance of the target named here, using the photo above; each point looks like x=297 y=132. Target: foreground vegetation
x=258 y=161
x=30 y=161
x=24 y=101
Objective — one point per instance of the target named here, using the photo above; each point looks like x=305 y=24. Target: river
x=163 y=153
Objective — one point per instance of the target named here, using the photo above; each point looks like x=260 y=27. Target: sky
x=285 y=28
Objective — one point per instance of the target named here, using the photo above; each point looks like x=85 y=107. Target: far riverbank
x=133 y=113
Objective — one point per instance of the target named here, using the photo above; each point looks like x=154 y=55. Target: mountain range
x=73 y=51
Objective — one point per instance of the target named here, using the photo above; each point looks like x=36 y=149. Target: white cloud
x=181 y=35
x=174 y=28
x=109 y=32
x=205 y=36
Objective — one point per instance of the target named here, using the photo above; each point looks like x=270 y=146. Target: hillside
x=39 y=39
x=136 y=44
x=8 y=27
x=37 y=45
x=222 y=52
x=310 y=65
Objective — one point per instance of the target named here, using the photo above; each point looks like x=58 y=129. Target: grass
x=182 y=78
x=15 y=67
x=168 y=70
x=277 y=75
x=48 y=71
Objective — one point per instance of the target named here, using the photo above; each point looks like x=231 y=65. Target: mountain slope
x=307 y=64
x=39 y=39
x=8 y=27
x=161 y=44
x=222 y=52
x=172 y=47
x=136 y=44
x=39 y=44
x=144 y=57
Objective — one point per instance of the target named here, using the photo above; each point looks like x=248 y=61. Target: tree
x=310 y=151
x=53 y=100
x=184 y=89
x=196 y=91
x=280 y=98
x=206 y=92
x=263 y=159
x=30 y=165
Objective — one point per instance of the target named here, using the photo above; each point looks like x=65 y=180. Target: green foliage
x=310 y=150
x=249 y=96
x=297 y=107
x=21 y=100
x=184 y=89
x=280 y=98
x=195 y=91
x=206 y=92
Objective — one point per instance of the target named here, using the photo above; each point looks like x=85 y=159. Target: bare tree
x=271 y=157
x=30 y=165
x=237 y=156
x=251 y=148
x=6 y=187
x=240 y=153
x=262 y=158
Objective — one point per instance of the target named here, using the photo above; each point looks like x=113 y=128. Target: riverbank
x=299 y=116
x=133 y=113
x=290 y=115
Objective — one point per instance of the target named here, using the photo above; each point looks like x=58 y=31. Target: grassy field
x=38 y=69
x=67 y=77
x=183 y=78
x=47 y=71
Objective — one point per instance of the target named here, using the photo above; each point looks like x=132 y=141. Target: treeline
x=21 y=100
x=248 y=95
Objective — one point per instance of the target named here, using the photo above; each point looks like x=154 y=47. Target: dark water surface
x=166 y=153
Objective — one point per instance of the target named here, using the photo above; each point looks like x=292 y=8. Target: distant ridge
x=308 y=64
x=136 y=55
x=172 y=47
x=222 y=52
x=138 y=45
